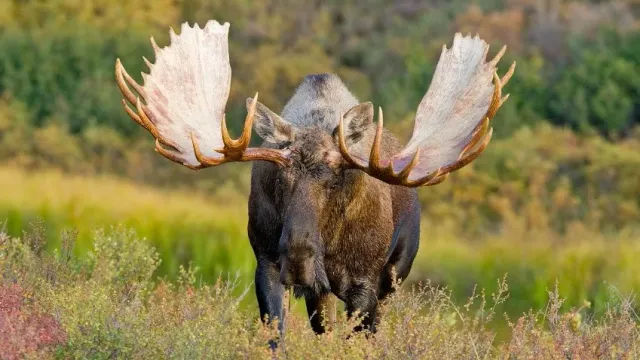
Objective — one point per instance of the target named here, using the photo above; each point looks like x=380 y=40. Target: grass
x=106 y=305
x=182 y=226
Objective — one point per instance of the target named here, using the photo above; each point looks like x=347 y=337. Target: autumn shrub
x=24 y=330
x=107 y=305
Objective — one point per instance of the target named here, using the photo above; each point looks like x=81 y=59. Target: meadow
x=540 y=224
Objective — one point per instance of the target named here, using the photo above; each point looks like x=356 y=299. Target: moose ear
x=271 y=127
x=356 y=121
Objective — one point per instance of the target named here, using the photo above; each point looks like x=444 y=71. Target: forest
x=552 y=207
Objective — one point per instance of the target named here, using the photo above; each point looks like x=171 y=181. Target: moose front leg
x=270 y=292
x=321 y=310
x=364 y=300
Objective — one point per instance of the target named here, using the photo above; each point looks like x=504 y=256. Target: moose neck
x=360 y=199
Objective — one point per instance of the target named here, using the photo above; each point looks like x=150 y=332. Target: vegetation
x=538 y=214
x=107 y=306
x=553 y=201
x=578 y=60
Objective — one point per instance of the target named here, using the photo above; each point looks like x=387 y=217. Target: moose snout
x=286 y=278
x=297 y=273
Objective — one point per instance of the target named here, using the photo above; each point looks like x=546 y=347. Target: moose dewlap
x=333 y=206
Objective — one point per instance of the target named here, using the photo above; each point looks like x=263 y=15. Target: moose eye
x=333 y=184
x=285 y=146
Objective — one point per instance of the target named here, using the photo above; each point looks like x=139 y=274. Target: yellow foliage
x=111 y=15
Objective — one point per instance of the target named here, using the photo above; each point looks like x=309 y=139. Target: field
x=587 y=260
x=536 y=214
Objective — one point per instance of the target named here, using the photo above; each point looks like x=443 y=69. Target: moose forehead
x=314 y=147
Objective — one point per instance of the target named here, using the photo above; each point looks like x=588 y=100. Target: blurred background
x=555 y=197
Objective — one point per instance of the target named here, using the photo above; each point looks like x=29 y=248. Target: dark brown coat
x=319 y=226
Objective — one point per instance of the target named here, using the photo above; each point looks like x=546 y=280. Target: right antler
x=185 y=96
x=452 y=122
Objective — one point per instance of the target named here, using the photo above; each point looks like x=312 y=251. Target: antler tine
x=507 y=76
x=471 y=156
x=497 y=96
x=245 y=138
x=133 y=114
x=343 y=144
x=499 y=83
x=137 y=87
x=148 y=124
x=147 y=62
x=499 y=55
x=171 y=155
x=504 y=99
x=374 y=157
x=478 y=135
x=156 y=48
x=202 y=159
x=226 y=138
x=235 y=148
x=404 y=173
x=437 y=180
x=120 y=79
x=145 y=120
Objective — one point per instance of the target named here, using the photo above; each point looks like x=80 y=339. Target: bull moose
x=333 y=206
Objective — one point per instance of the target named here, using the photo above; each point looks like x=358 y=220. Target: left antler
x=452 y=123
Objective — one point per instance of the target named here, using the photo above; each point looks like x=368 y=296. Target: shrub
x=107 y=306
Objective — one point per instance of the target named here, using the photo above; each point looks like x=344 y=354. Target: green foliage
x=600 y=88
x=58 y=61
x=65 y=78
x=118 y=259
x=183 y=226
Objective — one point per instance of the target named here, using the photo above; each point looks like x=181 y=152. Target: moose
x=333 y=207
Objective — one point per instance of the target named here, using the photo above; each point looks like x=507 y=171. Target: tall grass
x=183 y=226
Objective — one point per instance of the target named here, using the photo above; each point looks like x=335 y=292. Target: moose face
x=306 y=187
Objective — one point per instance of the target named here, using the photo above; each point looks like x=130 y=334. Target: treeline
x=578 y=67
x=578 y=61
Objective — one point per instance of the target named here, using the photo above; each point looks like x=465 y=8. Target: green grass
x=182 y=226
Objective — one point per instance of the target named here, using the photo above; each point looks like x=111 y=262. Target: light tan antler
x=185 y=96
x=452 y=122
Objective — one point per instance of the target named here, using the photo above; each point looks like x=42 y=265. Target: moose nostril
x=285 y=278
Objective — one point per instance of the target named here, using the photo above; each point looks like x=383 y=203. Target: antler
x=185 y=97
x=452 y=123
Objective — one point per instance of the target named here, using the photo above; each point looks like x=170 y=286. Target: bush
x=107 y=306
